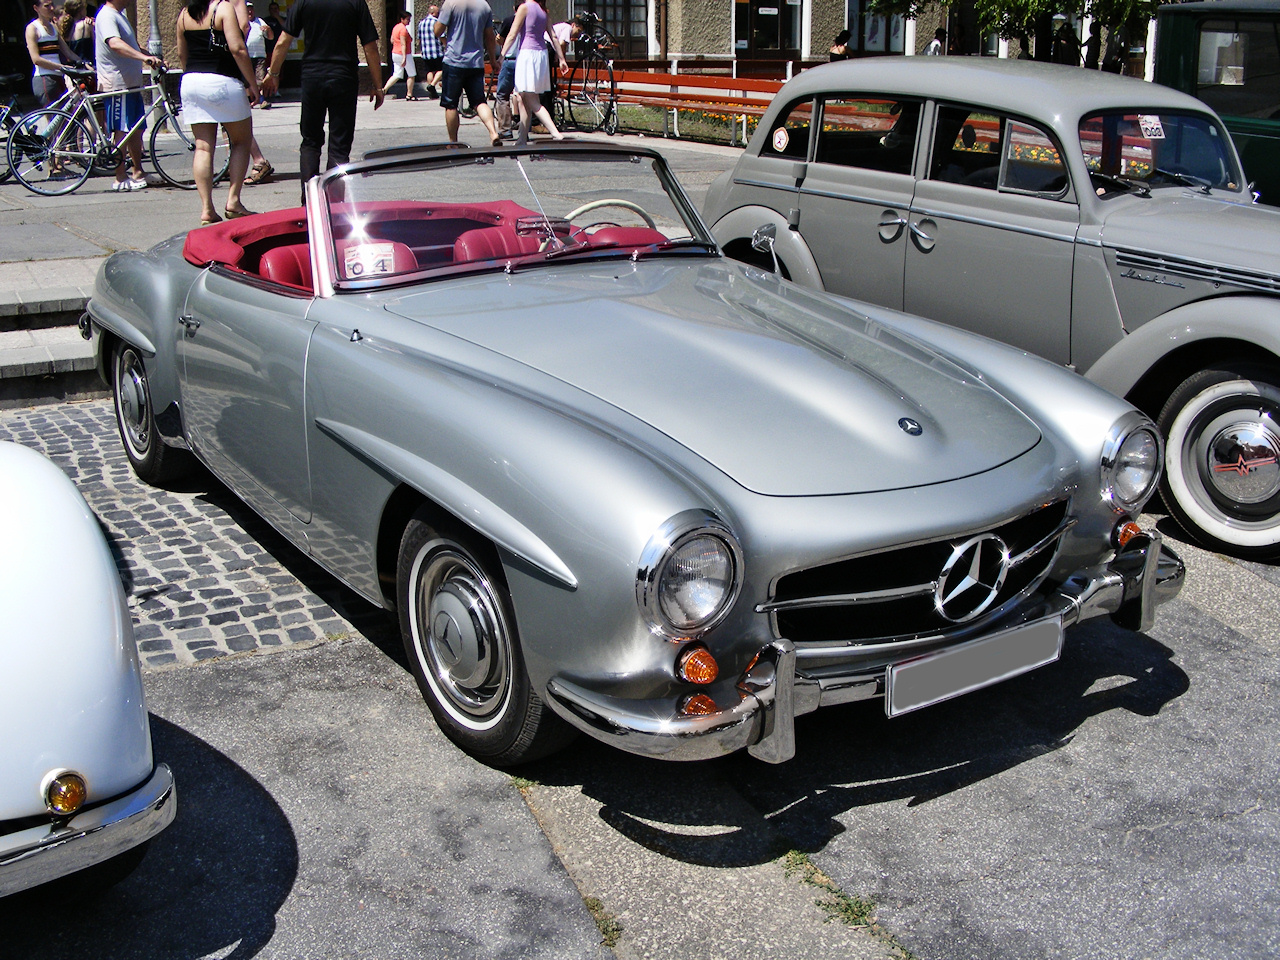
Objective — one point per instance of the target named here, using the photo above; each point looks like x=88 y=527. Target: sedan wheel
x=152 y=461
x=1222 y=473
x=459 y=634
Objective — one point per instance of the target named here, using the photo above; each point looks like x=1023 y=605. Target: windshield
x=1131 y=151
x=512 y=210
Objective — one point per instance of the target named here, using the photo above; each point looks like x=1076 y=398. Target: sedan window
x=789 y=135
x=991 y=152
x=871 y=134
x=1128 y=151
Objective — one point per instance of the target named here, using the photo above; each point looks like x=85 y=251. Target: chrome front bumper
x=38 y=854
x=767 y=700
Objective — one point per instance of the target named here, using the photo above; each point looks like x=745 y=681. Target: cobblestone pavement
x=205 y=576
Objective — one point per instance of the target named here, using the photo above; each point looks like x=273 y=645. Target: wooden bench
x=737 y=97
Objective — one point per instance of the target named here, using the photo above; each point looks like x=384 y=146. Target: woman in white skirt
x=216 y=73
x=533 y=72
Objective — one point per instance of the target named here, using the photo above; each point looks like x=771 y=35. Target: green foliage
x=608 y=925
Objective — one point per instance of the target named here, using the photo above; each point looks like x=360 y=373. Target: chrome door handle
x=190 y=322
x=891 y=225
x=923 y=241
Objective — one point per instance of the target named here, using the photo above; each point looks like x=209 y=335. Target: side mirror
x=763 y=238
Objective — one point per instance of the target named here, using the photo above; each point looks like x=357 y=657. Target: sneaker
x=432 y=93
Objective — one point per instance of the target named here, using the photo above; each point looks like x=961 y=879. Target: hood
x=1192 y=226
x=788 y=393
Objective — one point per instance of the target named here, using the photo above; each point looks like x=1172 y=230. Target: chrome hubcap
x=1243 y=460
x=133 y=402
x=461 y=636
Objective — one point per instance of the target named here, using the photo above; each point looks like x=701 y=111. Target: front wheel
x=173 y=148
x=1222 y=473
x=592 y=94
x=151 y=459
x=47 y=154
x=459 y=633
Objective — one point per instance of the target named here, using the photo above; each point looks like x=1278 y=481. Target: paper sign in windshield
x=370 y=259
x=1152 y=128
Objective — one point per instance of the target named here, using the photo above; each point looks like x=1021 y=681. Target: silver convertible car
x=612 y=481
x=1098 y=221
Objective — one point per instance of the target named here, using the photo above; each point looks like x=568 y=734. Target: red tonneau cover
x=225 y=242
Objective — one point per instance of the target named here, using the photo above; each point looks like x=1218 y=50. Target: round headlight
x=1131 y=463
x=689 y=575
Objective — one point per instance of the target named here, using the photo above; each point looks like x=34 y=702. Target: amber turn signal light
x=1124 y=532
x=698 y=705
x=66 y=793
x=697 y=665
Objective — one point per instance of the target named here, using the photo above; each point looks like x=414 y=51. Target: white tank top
x=47 y=46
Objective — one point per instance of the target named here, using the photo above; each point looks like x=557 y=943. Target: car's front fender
x=739 y=224
x=1251 y=320
x=73 y=690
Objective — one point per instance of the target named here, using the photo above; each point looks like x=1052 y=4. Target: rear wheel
x=459 y=632
x=173 y=148
x=592 y=94
x=151 y=459
x=1222 y=475
x=46 y=152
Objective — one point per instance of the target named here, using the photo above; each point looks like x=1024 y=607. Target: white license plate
x=971 y=666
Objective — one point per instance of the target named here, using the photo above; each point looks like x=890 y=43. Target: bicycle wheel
x=44 y=155
x=591 y=94
x=173 y=148
x=7 y=123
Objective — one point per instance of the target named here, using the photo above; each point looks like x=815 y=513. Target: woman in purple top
x=533 y=72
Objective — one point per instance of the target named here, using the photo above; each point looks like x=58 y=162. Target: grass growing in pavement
x=522 y=784
x=838 y=905
x=608 y=925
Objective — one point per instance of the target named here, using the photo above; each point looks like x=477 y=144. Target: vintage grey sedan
x=1099 y=221
x=612 y=481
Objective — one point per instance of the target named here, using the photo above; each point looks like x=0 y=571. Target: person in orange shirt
x=402 y=57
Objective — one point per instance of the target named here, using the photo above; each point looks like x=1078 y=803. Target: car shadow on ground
x=212 y=882
x=854 y=756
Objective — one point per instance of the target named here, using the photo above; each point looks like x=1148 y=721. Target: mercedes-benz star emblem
x=910 y=427
x=971 y=578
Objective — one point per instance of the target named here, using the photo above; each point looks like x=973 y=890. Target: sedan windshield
x=1133 y=152
x=511 y=210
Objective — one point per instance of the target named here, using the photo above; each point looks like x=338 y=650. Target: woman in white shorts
x=216 y=73
x=533 y=70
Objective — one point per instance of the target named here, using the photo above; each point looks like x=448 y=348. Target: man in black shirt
x=330 y=74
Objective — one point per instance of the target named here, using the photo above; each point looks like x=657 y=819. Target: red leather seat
x=627 y=236
x=493 y=243
x=291 y=265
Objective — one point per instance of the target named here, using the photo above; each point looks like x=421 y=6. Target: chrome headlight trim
x=657 y=553
x=1131 y=425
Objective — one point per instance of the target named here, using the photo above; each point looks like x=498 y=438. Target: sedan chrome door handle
x=891 y=225
x=922 y=240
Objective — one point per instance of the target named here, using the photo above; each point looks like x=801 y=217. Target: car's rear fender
x=1152 y=360
x=737 y=226
x=137 y=298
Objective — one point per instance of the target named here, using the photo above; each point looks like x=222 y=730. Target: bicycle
x=53 y=150
x=591 y=95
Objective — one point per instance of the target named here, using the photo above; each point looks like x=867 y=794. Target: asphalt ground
x=1119 y=804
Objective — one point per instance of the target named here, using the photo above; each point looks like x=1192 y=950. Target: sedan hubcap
x=1243 y=463
x=462 y=639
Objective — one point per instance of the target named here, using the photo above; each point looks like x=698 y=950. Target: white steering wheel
x=610 y=202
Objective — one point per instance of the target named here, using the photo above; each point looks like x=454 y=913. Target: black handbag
x=217 y=39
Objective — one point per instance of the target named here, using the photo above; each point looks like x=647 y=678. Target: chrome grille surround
x=875 y=606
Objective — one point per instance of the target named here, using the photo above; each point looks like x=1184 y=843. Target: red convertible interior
x=394 y=237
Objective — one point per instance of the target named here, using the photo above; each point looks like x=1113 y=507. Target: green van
x=1227 y=53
